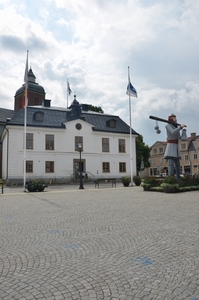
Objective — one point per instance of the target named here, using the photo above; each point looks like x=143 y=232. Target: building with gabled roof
x=52 y=138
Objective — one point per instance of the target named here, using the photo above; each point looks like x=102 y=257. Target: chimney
x=85 y=107
x=193 y=135
x=46 y=103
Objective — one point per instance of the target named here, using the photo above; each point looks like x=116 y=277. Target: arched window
x=38 y=116
x=111 y=123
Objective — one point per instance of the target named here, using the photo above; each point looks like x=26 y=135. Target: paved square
x=106 y=243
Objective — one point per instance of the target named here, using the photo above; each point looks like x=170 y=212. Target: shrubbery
x=187 y=183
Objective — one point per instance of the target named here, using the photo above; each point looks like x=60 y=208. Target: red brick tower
x=36 y=93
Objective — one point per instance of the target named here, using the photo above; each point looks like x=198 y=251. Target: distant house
x=52 y=139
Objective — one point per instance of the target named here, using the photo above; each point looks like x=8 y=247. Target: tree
x=142 y=153
x=95 y=108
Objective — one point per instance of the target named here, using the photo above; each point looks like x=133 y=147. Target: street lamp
x=142 y=164
x=81 y=187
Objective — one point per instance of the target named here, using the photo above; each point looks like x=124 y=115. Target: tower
x=36 y=93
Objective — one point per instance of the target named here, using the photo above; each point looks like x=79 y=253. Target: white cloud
x=93 y=42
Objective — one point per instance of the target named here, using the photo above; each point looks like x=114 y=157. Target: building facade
x=52 y=138
x=189 y=150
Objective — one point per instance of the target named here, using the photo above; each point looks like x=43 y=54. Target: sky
x=92 y=43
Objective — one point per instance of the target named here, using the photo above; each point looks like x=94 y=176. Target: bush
x=137 y=180
x=126 y=180
x=189 y=181
x=151 y=181
x=35 y=185
x=170 y=180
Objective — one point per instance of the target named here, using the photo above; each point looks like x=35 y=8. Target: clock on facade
x=78 y=126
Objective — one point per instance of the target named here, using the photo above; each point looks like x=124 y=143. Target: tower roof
x=32 y=85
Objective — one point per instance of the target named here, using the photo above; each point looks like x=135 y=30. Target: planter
x=146 y=188
x=137 y=180
x=35 y=186
x=31 y=189
x=40 y=188
x=126 y=183
x=170 y=190
x=125 y=180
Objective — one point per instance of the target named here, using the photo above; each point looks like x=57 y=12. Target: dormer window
x=38 y=116
x=111 y=123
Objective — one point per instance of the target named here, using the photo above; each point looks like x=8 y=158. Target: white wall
x=64 y=152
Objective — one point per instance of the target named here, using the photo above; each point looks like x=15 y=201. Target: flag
x=25 y=98
x=131 y=91
x=23 y=104
x=68 y=88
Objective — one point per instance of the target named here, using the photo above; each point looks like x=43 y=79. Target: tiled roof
x=5 y=113
x=55 y=117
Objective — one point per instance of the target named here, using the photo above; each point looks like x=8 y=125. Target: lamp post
x=142 y=164
x=81 y=187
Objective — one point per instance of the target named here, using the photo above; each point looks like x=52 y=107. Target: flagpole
x=131 y=159
x=67 y=92
x=25 y=119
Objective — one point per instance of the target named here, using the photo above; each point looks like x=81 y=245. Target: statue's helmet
x=170 y=118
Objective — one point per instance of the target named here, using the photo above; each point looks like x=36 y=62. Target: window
x=122 y=148
x=154 y=150
x=49 y=166
x=29 y=166
x=161 y=150
x=36 y=101
x=38 y=116
x=122 y=167
x=111 y=123
x=49 y=142
x=105 y=167
x=105 y=144
x=195 y=156
x=183 y=146
x=186 y=157
x=78 y=140
x=29 y=140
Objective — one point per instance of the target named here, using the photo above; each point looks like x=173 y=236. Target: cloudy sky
x=93 y=42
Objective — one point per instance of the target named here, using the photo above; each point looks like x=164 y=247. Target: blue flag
x=131 y=91
x=69 y=89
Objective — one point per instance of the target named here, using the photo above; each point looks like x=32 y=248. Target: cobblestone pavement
x=107 y=243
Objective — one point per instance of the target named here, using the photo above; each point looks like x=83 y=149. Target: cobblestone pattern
x=105 y=244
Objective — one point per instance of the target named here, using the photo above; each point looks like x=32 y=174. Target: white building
x=52 y=138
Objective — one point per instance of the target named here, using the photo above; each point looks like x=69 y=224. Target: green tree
x=95 y=108
x=142 y=153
